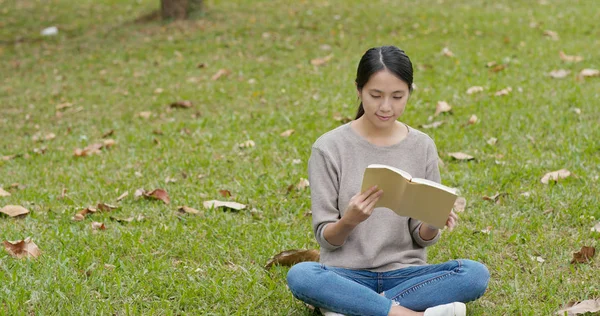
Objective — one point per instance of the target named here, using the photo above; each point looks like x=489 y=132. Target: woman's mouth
x=383 y=118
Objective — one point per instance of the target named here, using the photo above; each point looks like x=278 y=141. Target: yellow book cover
x=422 y=199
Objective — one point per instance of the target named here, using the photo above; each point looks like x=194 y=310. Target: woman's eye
x=397 y=98
x=375 y=96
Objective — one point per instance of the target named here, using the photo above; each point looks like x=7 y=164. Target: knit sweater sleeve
x=324 y=187
x=432 y=173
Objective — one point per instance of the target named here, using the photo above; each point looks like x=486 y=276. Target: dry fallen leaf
x=442 y=107
x=321 y=61
x=589 y=73
x=98 y=226
x=63 y=106
x=103 y=207
x=486 y=231
x=461 y=156
x=551 y=34
x=138 y=218
x=447 y=52
x=460 y=204
x=492 y=141
x=188 y=210
x=223 y=204
x=538 y=259
x=569 y=58
x=183 y=104
x=291 y=257
x=472 y=120
x=3 y=193
x=584 y=255
x=159 y=194
x=474 y=89
x=220 y=73
x=94 y=148
x=505 y=91
x=580 y=308
x=22 y=248
x=247 y=144
x=145 y=114
x=108 y=143
x=122 y=196
x=435 y=124
x=596 y=228
x=494 y=198
x=108 y=134
x=342 y=119
x=555 y=176
x=303 y=184
x=559 y=74
x=14 y=210
x=225 y=193
x=79 y=216
x=287 y=133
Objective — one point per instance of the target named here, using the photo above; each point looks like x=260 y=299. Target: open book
x=422 y=199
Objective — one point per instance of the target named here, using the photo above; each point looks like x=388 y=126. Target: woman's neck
x=379 y=136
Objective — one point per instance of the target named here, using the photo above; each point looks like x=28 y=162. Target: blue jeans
x=357 y=292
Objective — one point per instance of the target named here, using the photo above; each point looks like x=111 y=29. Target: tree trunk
x=178 y=9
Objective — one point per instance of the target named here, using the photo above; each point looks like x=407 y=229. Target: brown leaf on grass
x=287 y=133
x=460 y=204
x=247 y=144
x=220 y=73
x=559 y=74
x=98 y=226
x=9 y=157
x=145 y=114
x=108 y=134
x=22 y=248
x=103 y=207
x=435 y=124
x=321 y=61
x=474 y=89
x=138 y=218
x=108 y=143
x=188 y=210
x=291 y=257
x=495 y=198
x=492 y=141
x=3 y=193
x=554 y=176
x=442 y=107
x=302 y=184
x=159 y=194
x=447 y=52
x=14 y=210
x=182 y=104
x=223 y=204
x=225 y=193
x=49 y=136
x=552 y=35
x=472 y=120
x=505 y=91
x=63 y=106
x=580 y=308
x=498 y=68
x=569 y=58
x=122 y=196
x=79 y=216
x=589 y=73
x=486 y=231
x=461 y=156
x=584 y=255
x=170 y=180
x=342 y=119
x=596 y=228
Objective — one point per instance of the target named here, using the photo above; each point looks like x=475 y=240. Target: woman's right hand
x=361 y=206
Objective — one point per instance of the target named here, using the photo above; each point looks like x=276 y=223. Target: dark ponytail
x=375 y=59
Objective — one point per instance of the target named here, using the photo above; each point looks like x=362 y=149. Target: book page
x=391 y=182
x=403 y=173
x=427 y=203
x=434 y=184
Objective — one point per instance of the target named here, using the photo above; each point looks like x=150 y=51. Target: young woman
x=373 y=262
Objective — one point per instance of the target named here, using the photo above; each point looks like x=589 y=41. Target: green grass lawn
x=109 y=69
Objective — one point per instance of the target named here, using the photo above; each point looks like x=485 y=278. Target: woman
x=373 y=262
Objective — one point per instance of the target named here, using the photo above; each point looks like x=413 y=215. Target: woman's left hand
x=452 y=221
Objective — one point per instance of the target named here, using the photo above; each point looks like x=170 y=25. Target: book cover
x=422 y=199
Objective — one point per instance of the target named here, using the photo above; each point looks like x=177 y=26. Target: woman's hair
x=378 y=58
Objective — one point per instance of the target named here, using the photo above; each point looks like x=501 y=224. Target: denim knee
x=479 y=276
x=299 y=277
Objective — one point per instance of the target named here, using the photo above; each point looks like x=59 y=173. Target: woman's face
x=384 y=98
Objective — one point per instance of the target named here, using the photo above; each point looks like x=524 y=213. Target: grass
x=110 y=69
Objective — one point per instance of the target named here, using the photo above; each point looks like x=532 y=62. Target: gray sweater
x=385 y=241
